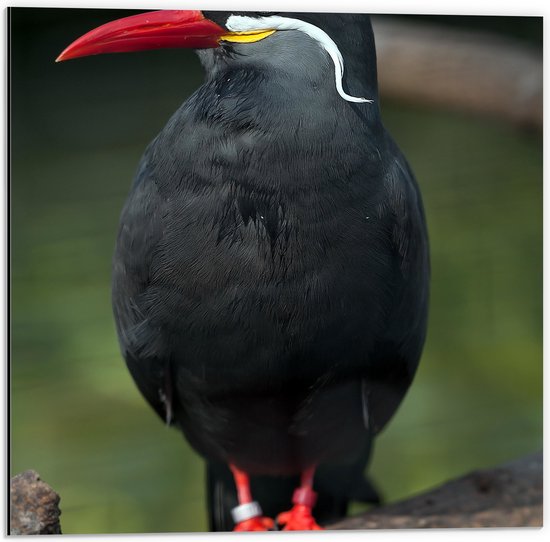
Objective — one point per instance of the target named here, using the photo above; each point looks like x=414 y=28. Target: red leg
x=248 y=515
x=299 y=517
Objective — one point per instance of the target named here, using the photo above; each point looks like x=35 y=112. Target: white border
x=3 y=289
x=465 y=7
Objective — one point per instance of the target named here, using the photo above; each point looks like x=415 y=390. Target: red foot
x=255 y=524
x=298 y=518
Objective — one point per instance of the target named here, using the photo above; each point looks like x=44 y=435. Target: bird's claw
x=257 y=523
x=298 y=518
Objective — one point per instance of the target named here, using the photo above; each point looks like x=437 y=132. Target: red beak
x=152 y=30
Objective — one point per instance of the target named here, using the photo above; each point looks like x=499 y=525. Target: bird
x=270 y=279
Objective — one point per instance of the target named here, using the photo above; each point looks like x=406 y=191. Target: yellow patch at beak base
x=246 y=37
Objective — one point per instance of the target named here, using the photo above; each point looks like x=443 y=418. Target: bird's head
x=318 y=45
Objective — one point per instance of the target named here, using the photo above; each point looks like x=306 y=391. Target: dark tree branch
x=506 y=496
x=458 y=69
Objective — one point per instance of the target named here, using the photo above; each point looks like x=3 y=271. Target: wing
x=139 y=234
x=397 y=352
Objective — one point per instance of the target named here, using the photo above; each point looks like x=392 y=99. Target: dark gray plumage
x=270 y=277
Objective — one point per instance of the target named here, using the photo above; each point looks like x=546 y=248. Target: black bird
x=271 y=272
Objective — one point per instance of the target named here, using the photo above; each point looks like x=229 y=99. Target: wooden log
x=462 y=70
x=506 y=496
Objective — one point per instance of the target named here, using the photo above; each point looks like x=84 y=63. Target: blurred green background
x=77 y=132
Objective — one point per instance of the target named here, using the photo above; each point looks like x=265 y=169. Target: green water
x=78 y=130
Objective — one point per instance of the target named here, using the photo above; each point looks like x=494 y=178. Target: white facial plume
x=239 y=23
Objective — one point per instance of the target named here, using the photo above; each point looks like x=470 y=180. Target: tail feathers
x=336 y=487
x=221 y=497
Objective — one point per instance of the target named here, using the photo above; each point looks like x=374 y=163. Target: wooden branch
x=462 y=70
x=505 y=496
